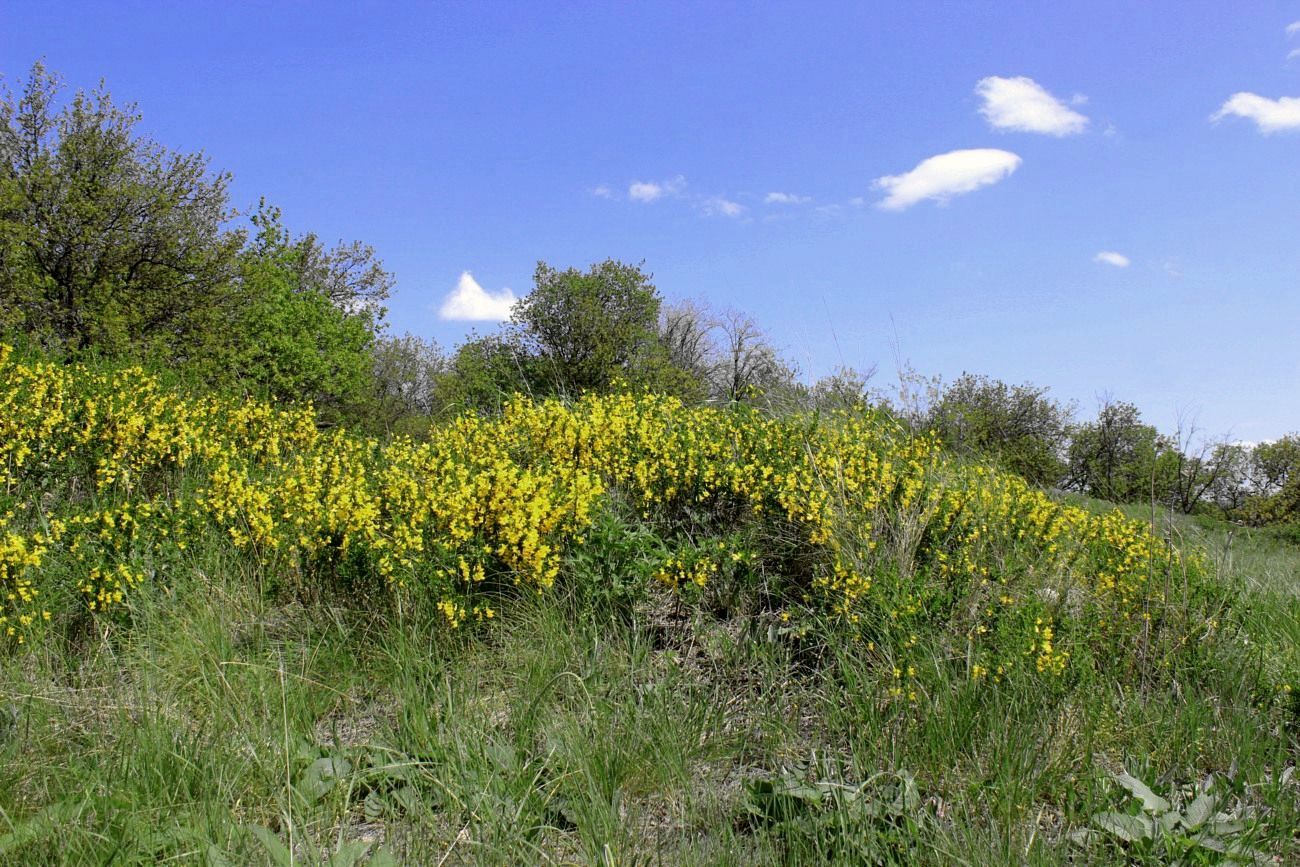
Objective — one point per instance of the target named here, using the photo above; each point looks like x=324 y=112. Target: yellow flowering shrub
x=112 y=476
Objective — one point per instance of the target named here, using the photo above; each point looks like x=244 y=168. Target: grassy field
x=618 y=711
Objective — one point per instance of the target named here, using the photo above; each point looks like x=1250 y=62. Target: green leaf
x=214 y=857
x=1126 y=827
x=1224 y=827
x=321 y=776
x=382 y=857
x=348 y=853
x=1151 y=802
x=272 y=844
x=1199 y=811
x=44 y=822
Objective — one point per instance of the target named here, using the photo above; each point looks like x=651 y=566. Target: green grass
x=221 y=725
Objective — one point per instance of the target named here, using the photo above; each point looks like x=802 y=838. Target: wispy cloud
x=602 y=192
x=1110 y=257
x=946 y=175
x=470 y=302
x=1023 y=105
x=650 y=191
x=719 y=206
x=1269 y=115
x=786 y=199
x=1293 y=28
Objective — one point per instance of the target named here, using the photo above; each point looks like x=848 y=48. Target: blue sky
x=483 y=137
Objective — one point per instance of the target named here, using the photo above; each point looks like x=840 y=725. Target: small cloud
x=1110 y=257
x=857 y=201
x=1172 y=268
x=1022 y=105
x=786 y=199
x=602 y=192
x=1269 y=115
x=1292 y=54
x=718 y=206
x=946 y=175
x=650 y=191
x=1293 y=28
x=470 y=302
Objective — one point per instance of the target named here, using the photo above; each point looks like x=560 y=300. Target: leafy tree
x=1117 y=457
x=107 y=241
x=406 y=382
x=584 y=330
x=484 y=373
x=845 y=388
x=1231 y=487
x=1017 y=425
x=1275 y=481
x=287 y=340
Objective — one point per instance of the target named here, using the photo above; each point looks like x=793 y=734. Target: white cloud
x=946 y=175
x=1292 y=54
x=602 y=192
x=1270 y=115
x=1022 y=105
x=649 y=191
x=470 y=302
x=1110 y=257
x=1293 y=28
x=718 y=206
x=786 y=199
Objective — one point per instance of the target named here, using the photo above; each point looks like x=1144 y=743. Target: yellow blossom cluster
x=110 y=476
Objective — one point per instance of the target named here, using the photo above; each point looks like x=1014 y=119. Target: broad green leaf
x=1199 y=811
x=348 y=853
x=1151 y=802
x=321 y=776
x=1224 y=827
x=1126 y=827
x=382 y=857
x=273 y=845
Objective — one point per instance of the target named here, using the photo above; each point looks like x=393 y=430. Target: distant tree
x=1019 y=426
x=1231 y=488
x=845 y=388
x=406 y=382
x=1275 y=481
x=747 y=364
x=107 y=241
x=587 y=329
x=350 y=275
x=284 y=339
x=686 y=333
x=484 y=373
x=1116 y=456
x=1194 y=467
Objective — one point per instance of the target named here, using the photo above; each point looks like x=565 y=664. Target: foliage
x=407 y=376
x=1019 y=426
x=877 y=821
x=845 y=514
x=585 y=329
x=287 y=340
x=108 y=242
x=1275 y=492
x=1155 y=827
x=1117 y=457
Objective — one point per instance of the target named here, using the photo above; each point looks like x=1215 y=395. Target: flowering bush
x=849 y=516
